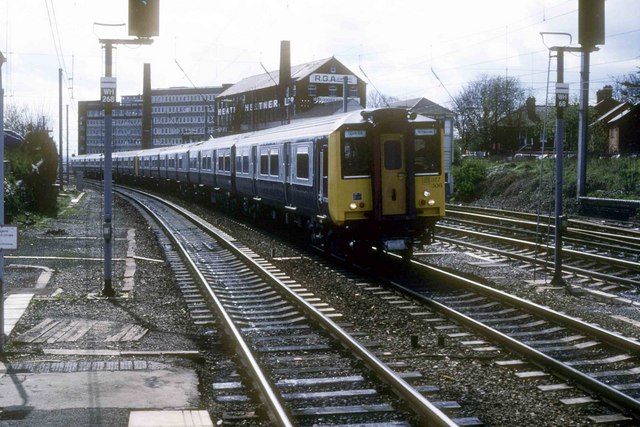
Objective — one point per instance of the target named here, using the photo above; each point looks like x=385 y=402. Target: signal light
x=590 y=22
x=144 y=18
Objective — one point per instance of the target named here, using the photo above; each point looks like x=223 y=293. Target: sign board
x=108 y=89
x=335 y=79
x=562 y=95
x=8 y=237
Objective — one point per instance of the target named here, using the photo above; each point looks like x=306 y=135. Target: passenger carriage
x=373 y=177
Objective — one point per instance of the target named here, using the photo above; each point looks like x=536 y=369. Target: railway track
x=297 y=365
x=608 y=255
x=580 y=355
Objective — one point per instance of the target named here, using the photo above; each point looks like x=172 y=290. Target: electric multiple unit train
x=373 y=177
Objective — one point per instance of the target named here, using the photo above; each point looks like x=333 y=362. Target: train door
x=254 y=169
x=393 y=174
x=323 y=171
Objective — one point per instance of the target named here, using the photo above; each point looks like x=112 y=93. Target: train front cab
x=377 y=192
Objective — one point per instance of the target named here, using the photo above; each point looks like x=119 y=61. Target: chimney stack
x=605 y=93
x=284 y=83
x=146 y=142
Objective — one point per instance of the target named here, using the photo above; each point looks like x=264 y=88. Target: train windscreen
x=428 y=154
x=356 y=155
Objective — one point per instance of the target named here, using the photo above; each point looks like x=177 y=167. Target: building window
x=312 y=90
x=333 y=69
x=333 y=90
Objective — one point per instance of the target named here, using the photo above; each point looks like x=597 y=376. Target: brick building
x=261 y=101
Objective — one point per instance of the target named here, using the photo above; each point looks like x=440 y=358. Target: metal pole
x=67 y=144
x=583 y=120
x=2 y=60
x=206 y=128
x=345 y=99
x=107 y=227
x=60 y=161
x=559 y=140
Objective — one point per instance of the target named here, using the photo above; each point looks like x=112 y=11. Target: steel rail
x=631 y=235
x=268 y=396
x=592 y=257
x=575 y=236
x=428 y=413
x=542 y=262
x=532 y=246
x=572 y=233
x=609 y=394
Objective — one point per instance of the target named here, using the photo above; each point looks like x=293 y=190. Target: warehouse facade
x=178 y=115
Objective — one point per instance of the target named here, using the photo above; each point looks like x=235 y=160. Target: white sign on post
x=8 y=237
x=108 y=89
x=562 y=95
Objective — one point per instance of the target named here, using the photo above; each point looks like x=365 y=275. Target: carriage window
x=274 y=165
x=264 y=163
x=205 y=162
x=227 y=162
x=428 y=155
x=220 y=163
x=302 y=162
x=356 y=157
x=245 y=163
x=392 y=155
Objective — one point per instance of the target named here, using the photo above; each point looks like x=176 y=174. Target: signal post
x=143 y=23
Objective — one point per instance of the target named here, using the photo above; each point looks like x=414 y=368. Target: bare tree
x=481 y=105
x=627 y=87
x=23 y=119
x=376 y=99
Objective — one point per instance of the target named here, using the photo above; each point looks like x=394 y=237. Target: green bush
x=530 y=185
x=34 y=166
x=468 y=178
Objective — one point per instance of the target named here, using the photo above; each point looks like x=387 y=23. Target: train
x=372 y=177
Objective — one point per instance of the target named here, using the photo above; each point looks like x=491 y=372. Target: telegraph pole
x=60 y=162
x=67 y=143
x=2 y=60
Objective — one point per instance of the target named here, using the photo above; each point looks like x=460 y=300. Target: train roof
x=297 y=130
x=309 y=128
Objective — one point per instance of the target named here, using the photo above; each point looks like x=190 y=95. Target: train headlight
x=426 y=193
x=353 y=205
x=431 y=202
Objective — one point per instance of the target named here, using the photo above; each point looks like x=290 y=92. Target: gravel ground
x=155 y=303
x=485 y=390
x=490 y=392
